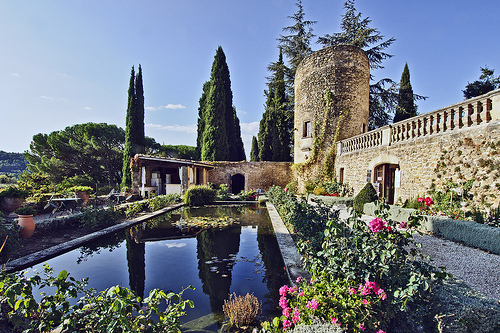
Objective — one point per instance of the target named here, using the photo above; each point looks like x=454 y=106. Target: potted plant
x=26 y=221
x=83 y=192
x=13 y=198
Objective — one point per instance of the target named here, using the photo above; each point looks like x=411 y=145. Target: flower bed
x=467 y=232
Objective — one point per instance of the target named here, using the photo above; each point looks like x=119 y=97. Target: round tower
x=331 y=100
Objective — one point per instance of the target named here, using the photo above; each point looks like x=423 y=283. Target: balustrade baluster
x=489 y=106
x=470 y=110
x=452 y=119
x=479 y=110
x=461 y=115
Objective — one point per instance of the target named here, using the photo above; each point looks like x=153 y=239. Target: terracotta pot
x=27 y=225
x=11 y=204
x=83 y=195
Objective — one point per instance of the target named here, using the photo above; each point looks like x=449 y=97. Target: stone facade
x=331 y=103
x=457 y=143
x=344 y=72
x=258 y=175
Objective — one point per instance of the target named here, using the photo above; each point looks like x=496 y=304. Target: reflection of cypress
x=273 y=262
x=216 y=243
x=136 y=265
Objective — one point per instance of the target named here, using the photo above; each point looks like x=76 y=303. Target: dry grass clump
x=241 y=310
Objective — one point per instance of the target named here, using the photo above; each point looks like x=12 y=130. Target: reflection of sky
x=170 y=265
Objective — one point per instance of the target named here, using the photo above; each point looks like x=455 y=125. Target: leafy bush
x=80 y=188
x=293 y=187
x=25 y=210
x=223 y=192
x=249 y=195
x=9 y=240
x=14 y=192
x=134 y=208
x=367 y=194
x=241 y=310
x=199 y=195
x=342 y=189
x=162 y=201
x=99 y=218
x=116 y=309
x=319 y=191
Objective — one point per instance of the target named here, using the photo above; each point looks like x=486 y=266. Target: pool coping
x=291 y=256
x=51 y=252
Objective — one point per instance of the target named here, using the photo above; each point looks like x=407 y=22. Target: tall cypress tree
x=219 y=134
x=254 y=151
x=266 y=129
x=406 y=104
x=134 y=124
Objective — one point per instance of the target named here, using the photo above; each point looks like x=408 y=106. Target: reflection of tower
x=136 y=265
x=216 y=247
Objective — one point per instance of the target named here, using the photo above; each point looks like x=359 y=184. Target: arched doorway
x=385 y=175
x=237 y=183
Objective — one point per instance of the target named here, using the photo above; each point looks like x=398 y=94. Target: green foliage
x=335 y=187
x=80 y=188
x=486 y=83
x=88 y=149
x=179 y=151
x=219 y=134
x=116 y=309
x=134 y=124
x=13 y=192
x=367 y=194
x=25 y=210
x=162 y=201
x=199 y=195
x=352 y=262
x=293 y=187
x=254 y=151
x=12 y=163
x=406 y=104
x=249 y=195
x=35 y=183
x=449 y=198
x=9 y=238
x=99 y=218
x=223 y=193
x=134 y=208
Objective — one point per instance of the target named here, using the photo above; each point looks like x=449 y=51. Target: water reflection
x=136 y=264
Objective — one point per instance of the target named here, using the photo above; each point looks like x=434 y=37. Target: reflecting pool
x=170 y=252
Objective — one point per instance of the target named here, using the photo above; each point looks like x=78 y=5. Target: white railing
x=472 y=112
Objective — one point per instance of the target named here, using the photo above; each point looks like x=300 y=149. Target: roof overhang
x=170 y=161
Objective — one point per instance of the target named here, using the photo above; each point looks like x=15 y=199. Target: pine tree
x=134 y=124
x=486 y=83
x=219 y=134
x=406 y=104
x=254 y=151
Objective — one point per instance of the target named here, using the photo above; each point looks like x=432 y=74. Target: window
x=307 y=130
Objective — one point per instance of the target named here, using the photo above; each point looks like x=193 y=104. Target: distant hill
x=12 y=162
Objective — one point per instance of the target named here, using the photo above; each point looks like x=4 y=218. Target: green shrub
x=241 y=310
x=25 y=210
x=9 y=239
x=319 y=191
x=134 y=208
x=199 y=195
x=14 y=192
x=367 y=194
x=293 y=187
x=223 y=192
x=116 y=309
x=99 y=218
x=162 y=201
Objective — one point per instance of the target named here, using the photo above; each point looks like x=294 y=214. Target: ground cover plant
x=362 y=275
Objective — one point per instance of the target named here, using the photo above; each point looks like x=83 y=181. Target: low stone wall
x=469 y=233
x=257 y=174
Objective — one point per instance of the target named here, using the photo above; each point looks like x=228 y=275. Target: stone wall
x=426 y=163
x=257 y=174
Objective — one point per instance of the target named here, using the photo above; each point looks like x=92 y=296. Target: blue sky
x=68 y=62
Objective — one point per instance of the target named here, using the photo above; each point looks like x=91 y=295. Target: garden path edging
x=40 y=256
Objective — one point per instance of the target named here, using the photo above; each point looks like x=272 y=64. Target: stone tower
x=331 y=85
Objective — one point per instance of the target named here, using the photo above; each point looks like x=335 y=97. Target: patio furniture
x=62 y=204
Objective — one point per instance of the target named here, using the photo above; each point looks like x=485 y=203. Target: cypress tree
x=406 y=104
x=134 y=124
x=254 y=151
x=266 y=130
x=219 y=134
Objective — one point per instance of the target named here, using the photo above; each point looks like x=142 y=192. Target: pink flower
x=301 y=294
x=365 y=302
x=352 y=291
x=286 y=312
x=335 y=321
x=312 y=305
x=380 y=331
x=420 y=199
x=296 y=316
x=283 y=290
x=362 y=327
x=283 y=302
x=298 y=279
x=428 y=201
x=286 y=189
x=293 y=289
x=377 y=225
x=403 y=225
x=286 y=324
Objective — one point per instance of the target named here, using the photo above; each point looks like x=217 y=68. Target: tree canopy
x=406 y=104
x=486 y=83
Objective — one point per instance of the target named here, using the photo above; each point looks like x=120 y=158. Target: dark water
x=217 y=262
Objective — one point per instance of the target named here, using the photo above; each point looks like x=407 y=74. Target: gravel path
x=477 y=268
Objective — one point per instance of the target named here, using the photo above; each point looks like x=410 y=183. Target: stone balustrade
x=472 y=112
